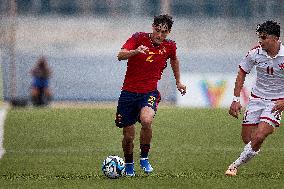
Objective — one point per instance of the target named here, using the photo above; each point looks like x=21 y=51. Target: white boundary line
x=3 y=113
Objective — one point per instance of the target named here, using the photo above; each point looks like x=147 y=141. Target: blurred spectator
x=40 y=92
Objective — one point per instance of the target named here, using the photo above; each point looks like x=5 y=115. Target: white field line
x=2 y=120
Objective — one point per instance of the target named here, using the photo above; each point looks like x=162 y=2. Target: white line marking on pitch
x=2 y=120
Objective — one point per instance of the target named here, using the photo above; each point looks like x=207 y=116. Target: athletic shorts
x=259 y=110
x=130 y=105
x=40 y=82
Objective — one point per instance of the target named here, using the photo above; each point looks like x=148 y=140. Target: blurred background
x=81 y=39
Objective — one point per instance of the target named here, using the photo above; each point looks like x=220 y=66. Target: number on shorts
x=151 y=100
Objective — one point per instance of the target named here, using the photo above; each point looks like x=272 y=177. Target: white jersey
x=270 y=72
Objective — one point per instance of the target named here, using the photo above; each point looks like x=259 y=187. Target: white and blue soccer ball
x=113 y=167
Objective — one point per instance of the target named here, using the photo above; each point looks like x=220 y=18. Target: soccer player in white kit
x=263 y=112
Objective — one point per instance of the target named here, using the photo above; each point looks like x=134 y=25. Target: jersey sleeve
x=248 y=62
x=173 y=51
x=131 y=43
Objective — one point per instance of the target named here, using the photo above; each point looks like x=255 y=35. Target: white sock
x=245 y=156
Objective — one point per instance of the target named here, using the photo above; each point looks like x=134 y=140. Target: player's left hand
x=182 y=88
x=278 y=107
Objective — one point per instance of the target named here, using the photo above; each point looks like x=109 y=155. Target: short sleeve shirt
x=144 y=70
x=270 y=72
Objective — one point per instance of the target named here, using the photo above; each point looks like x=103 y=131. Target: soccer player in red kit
x=147 y=55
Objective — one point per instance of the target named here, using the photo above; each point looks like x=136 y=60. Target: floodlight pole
x=165 y=6
x=12 y=46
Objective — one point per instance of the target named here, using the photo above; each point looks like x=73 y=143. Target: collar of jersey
x=280 y=53
x=152 y=43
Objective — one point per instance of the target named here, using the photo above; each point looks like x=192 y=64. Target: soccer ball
x=113 y=167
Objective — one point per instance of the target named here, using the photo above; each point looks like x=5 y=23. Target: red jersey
x=144 y=70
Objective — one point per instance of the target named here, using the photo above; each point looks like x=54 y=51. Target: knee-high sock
x=245 y=156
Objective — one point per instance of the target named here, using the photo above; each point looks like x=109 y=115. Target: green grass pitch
x=191 y=148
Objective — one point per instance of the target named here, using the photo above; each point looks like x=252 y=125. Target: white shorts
x=259 y=110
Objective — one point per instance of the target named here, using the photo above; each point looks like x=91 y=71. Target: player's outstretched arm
x=175 y=67
x=124 y=54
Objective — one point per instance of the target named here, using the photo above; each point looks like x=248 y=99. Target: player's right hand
x=182 y=88
x=142 y=49
x=235 y=109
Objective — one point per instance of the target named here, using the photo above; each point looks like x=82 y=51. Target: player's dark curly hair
x=164 y=19
x=270 y=27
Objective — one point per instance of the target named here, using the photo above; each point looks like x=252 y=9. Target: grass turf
x=191 y=148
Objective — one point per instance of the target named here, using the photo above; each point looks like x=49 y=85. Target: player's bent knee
x=146 y=121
